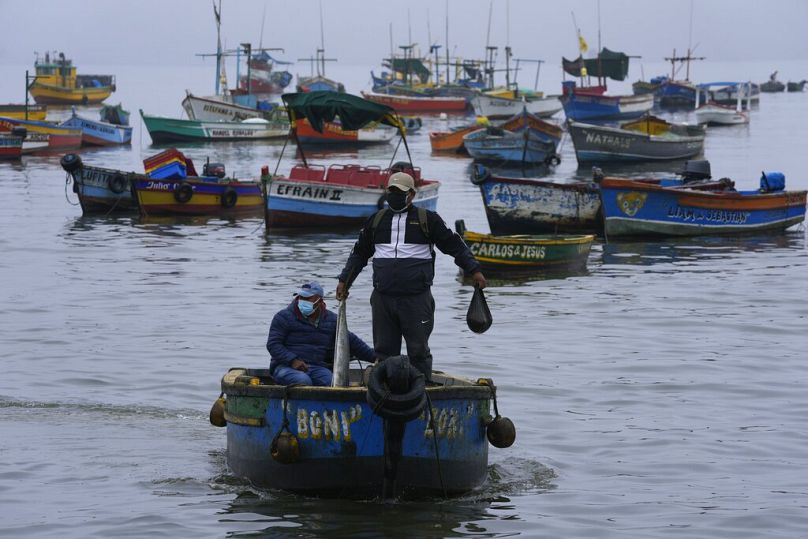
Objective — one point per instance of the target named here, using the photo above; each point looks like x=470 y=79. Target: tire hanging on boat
x=479 y=174
x=117 y=184
x=71 y=162
x=395 y=395
x=229 y=198
x=183 y=193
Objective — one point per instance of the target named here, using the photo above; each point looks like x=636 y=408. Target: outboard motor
x=213 y=169
x=696 y=171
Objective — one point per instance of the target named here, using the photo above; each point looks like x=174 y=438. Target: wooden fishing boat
x=11 y=145
x=23 y=112
x=772 y=85
x=57 y=83
x=452 y=141
x=334 y=135
x=172 y=186
x=647 y=139
x=583 y=107
x=100 y=190
x=493 y=106
x=341 y=441
x=524 y=138
x=99 y=133
x=226 y=108
x=42 y=136
x=713 y=113
x=337 y=195
x=533 y=206
x=167 y=130
x=634 y=208
x=796 y=86
x=525 y=251
x=422 y=104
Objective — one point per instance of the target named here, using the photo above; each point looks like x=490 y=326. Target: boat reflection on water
x=699 y=248
x=517 y=277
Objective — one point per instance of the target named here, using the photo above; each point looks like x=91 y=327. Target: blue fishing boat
x=527 y=139
x=363 y=439
x=579 y=106
x=100 y=190
x=98 y=132
x=635 y=208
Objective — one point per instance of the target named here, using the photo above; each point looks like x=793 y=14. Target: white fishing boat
x=713 y=113
x=494 y=106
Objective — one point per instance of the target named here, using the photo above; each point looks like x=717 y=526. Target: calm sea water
x=661 y=393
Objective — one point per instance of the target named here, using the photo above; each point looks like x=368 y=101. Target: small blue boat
x=635 y=208
x=362 y=439
x=99 y=133
x=100 y=190
x=582 y=107
x=528 y=139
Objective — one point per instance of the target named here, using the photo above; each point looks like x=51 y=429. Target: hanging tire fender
x=229 y=197
x=479 y=174
x=183 y=192
x=117 y=183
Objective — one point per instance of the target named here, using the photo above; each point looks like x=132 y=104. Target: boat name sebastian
x=714 y=216
x=309 y=192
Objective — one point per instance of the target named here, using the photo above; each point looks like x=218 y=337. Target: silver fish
x=342 y=349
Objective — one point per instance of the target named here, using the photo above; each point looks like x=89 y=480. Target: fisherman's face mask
x=307 y=307
x=397 y=200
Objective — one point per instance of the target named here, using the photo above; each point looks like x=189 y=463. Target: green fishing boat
x=525 y=252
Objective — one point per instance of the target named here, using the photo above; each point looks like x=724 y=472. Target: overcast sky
x=172 y=32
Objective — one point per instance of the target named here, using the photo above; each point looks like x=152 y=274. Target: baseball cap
x=312 y=288
x=401 y=181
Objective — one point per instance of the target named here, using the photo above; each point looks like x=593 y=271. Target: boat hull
x=168 y=130
x=46 y=94
x=594 y=143
x=450 y=141
x=206 y=109
x=583 y=107
x=408 y=104
x=521 y=252
x=10 y=146
x=341 y=440
x=636 y=209
x=527 y=206
x=334 y=135
x=44 y=136
x=503 y=107
x=103 y=190
x=314 y=204
x=714 y=114
x=35 y=112
x=94 y=133
x=207 y=198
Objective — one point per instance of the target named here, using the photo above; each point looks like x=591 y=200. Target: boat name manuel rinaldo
x=308 y=192
x=336 y=425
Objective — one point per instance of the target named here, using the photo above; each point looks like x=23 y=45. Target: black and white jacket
x=403 y=258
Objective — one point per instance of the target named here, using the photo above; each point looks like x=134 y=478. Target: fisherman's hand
x=342 y=291
x=479 y=280
x=300 y=365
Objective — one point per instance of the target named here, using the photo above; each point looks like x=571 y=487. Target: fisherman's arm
x=452 y=244
x=278 y=330
x=362 y=250
x=360 y=349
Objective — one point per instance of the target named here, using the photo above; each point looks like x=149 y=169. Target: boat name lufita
x=308 y=192
x=608 y=140
x=234 y=133
x=94 y=177
x=333 y=425
x=715 y=216
x=495 y=249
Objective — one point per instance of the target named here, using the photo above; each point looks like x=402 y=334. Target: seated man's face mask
x=397 y=200
x=306 y=307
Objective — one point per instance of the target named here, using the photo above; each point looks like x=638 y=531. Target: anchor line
x=68 y=178
x=435 y=441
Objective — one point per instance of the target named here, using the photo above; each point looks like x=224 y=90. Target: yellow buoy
x=217 y=413
x=285 y=448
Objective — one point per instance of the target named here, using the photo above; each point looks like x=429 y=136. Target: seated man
x=301 y=340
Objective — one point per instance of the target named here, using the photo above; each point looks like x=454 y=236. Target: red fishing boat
x=407 y=103
x=11 y=145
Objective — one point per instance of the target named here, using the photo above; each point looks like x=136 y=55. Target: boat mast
x=321 y=52
x=447 y=42
x=218 y=15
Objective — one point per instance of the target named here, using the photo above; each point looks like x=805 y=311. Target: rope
x=68 y=179
x=435 y=440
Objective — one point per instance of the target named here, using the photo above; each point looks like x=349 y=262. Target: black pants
x=411 y=317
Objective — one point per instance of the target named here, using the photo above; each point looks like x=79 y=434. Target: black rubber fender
x=398 y=406
x=229 y=198
x=183 y=192
x=479 y=174
x=397 y=415
x=71 y=162
x=117 y=184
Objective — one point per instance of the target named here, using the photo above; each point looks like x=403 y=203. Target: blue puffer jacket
x=292 y=336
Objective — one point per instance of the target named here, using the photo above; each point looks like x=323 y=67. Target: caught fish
x=342 y=349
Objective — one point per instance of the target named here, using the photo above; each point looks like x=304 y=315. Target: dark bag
x=478 y=316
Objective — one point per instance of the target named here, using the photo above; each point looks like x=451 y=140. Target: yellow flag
x=582 y=46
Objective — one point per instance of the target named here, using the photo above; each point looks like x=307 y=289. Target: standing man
x=400 y=240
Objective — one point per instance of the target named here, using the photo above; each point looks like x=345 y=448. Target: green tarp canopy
x=354 y=112
x=613 y=65
x=409 y=65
